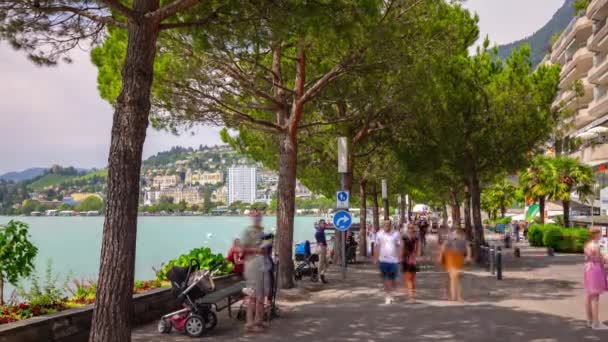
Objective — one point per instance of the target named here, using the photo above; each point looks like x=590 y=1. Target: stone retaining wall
x=74 y=325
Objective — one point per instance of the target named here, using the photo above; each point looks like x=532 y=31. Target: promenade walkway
x=540 y=299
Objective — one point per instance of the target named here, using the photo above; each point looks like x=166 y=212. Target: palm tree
x=572 y=177
x=501 y=195
x=538 y=181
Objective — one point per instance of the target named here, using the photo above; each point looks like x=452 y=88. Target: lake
x=74 y=243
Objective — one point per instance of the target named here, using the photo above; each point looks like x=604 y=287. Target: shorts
x=389 y=270
x=412 y=268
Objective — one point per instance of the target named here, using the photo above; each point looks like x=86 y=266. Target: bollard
x=517 y=252
x=492 y=259
x=550 y=252
x=499 y=263
x=486 y=256
x=507 y=240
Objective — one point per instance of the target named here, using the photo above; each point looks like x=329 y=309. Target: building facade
x=190 y=195
x=167 y=181
x=193 y=178
x=242 y=184
x=582 y=51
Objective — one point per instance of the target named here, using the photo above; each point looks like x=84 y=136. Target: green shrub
x=215 y=263
x=535 y=235
x=552 y=236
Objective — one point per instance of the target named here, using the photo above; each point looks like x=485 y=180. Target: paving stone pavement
x=540 y=299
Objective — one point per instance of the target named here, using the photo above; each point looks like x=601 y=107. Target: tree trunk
x=478 y=236
x=114 y=301
x=566 y=206
x=362 y=219
x=402 y=211
x=444 y=214
x=467 y=213
x=1 y=290
x=455 y=209
x=375 y=207
x=503 y=211
x=541 y=208
x=288 y=152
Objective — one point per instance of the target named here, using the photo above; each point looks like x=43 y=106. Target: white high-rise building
x=242 y=184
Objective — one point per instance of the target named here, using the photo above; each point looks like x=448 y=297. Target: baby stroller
x=306 y=263
x=190 y=284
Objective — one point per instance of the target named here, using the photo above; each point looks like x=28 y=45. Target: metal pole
x=499 y=263
x=492 y=259
x=343 y=171
x=343 y=187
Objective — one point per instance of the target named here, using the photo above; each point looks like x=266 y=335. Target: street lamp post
x=385 y=199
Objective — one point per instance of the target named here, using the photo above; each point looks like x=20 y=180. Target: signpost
x=342 y=200
x=342 y=220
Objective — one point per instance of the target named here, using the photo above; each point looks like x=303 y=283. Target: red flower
x=21 y=306
x=5 y=310
x=14 y=309
x=36 y=311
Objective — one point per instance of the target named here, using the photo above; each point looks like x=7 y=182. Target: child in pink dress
x=595 y=281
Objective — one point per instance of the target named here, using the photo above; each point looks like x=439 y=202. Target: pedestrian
x=257 y=274
x=594 y=281
x=236 y=257
x=454 y=253
x=321 y=239
x=525 y=229
x=389 y=250
x=516 y=230
x=351 y=247
x=411 y=250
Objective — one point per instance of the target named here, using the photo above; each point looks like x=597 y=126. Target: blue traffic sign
x=342 y=196
x=342 y=220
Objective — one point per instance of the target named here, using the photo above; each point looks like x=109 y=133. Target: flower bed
x=48 y=298
x=74 y=324
x=82 y=294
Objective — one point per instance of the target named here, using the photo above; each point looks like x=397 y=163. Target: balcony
x=576 y=67
x=574 y=103
x=578 y=32
x=599 y=73
x=597 y=10
x=581 y=119
x=599 y=40
x=599 y=106
x=592 y=153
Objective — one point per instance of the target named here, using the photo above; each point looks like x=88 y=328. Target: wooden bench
x=224 y=298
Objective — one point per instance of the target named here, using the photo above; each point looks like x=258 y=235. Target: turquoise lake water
x=74 y=243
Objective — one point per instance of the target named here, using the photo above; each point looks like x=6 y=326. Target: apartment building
x=164 y=182
x=582 y=51
x=203 y=178
x=190 y=195
x=242 y=184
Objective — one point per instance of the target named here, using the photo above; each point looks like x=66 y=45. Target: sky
x=55 y=115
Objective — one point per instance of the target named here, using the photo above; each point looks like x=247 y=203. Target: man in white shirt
x=388 y=253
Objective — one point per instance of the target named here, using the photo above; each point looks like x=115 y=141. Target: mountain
x=18 y=176
x=540 y=40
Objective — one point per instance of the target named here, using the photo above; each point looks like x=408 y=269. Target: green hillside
x=50 y=179
x=539 y=41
